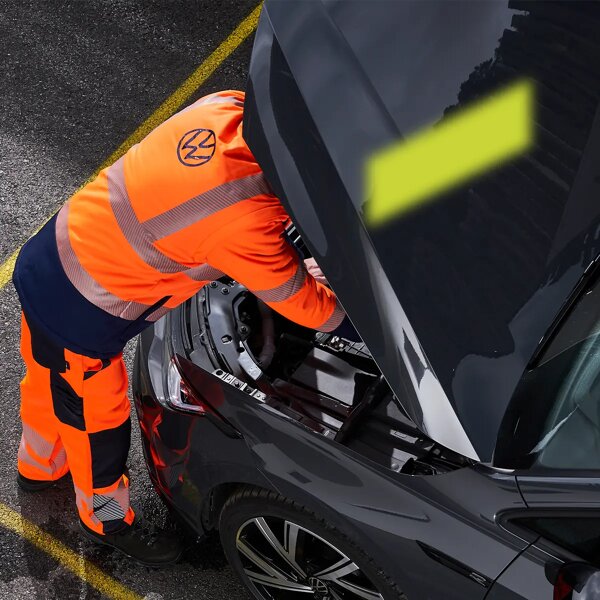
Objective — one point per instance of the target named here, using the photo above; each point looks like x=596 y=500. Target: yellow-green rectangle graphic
x=466 y=144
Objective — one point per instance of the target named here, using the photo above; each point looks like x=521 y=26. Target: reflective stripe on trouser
x=75 y=414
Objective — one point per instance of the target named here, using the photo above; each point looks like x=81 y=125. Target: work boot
x=36 y=485
x=140 y=541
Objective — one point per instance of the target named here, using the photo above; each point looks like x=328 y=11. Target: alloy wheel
x=284 y=560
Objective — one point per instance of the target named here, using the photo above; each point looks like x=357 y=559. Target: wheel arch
x=216 y=499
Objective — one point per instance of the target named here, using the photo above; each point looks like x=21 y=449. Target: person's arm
x=254 y=252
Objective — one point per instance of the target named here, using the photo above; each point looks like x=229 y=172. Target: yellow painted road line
x=165 y=110
x=7 y=268
x=459 y=148
x=72 y=561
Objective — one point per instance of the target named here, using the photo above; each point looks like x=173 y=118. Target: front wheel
x=281 y=551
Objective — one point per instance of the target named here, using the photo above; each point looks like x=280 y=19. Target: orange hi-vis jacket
x=183 y=207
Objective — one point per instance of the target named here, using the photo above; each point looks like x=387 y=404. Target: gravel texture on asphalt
x=77 y=77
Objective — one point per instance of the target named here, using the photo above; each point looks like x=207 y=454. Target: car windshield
x=554 y=418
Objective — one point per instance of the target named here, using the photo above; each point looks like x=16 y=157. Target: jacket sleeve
x=254 y=252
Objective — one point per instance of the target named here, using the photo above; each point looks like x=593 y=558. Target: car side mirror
x=574 y=581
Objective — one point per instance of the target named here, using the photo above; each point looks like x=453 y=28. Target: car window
x=553 y=421
x=576 y=534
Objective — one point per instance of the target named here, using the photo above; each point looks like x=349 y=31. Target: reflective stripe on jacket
x=184 y=206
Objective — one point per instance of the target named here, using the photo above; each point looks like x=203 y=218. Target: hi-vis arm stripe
x=292 y=286
x=204 y=273
x=335 y=320
x=285 y=290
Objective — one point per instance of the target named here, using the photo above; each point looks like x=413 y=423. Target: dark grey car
x=455 y=454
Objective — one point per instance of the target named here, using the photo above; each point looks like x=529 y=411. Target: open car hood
x=453 y=298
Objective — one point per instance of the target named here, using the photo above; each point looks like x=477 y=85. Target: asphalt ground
x=76 y=78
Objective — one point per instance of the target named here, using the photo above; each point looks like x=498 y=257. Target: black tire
x=250 y=503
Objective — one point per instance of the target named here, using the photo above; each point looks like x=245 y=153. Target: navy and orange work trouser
x=75 y=414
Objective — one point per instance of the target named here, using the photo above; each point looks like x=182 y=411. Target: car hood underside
x=452 y=298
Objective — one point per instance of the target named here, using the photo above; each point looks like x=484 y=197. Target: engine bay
x=326 y=383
